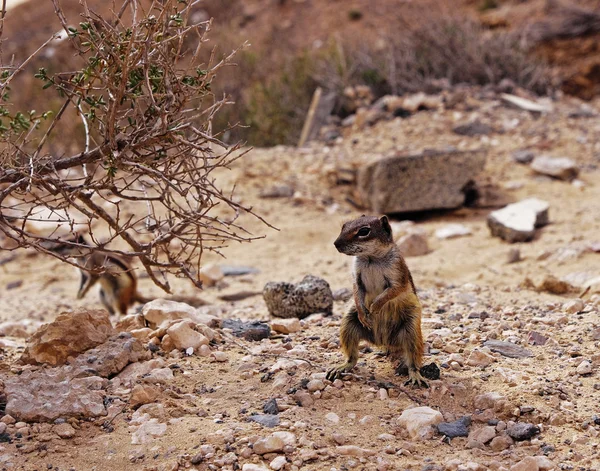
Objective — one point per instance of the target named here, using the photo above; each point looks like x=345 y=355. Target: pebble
x=419 y=422
x=270 y=444
x=508 y=349
x=479 y=358
x=315 y=385
x=253 y=467
x=562 y=168
x=522 y=431
x=527 y=464
x=286 y=326
x=278 y=463
x=333 y=418
x=584 y=368
x=219 y=356
x=266 y=420
x=452 y=231
x=271 y=407
x=483 y=435
x=501 y=442
x=64 y=430
x=573 y=306
x=458 y=428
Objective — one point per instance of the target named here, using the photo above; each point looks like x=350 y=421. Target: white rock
x=584 y=368
x=573 y=306
x=211 y=274
x=333 y=417
x=517 y=222
x=420 y=421
x=162 y=311
x=557 y=167
x=254 y=467
x=286 y=326
x=184 y=336
x=278 y=463
x=147 y=431
x=451 y=231
x=544 y=464
x=159 y=375
x=288 y=438
x=219 y=356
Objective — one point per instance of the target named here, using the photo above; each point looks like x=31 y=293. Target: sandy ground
x=459 y=278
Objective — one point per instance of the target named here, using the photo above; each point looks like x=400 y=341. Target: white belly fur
x=374 y=282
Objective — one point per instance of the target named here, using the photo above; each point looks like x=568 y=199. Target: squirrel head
x=367 y=236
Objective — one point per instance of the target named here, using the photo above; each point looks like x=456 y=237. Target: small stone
x=430 y=371
x=147 y=431
x=513 y=256
x=253 y=467
x=573 y=306
x=544 y=464
x=159 y=376
x=488 y=400
x=266 y=420
x=452 y=231
x=288 y=300
x=251 y=331
x=508 y=349
x=522 y=431
x=286 y=326
x=183 y=336
x=483 y=434
x=315 y=385
x=339 y=438
x=271 y=407
x=553 y=285
x=333 y=418
x=270 y=444
x=238 y=270
x=278 y=463
x=517 y=222
x=501 y=442
x=210 y=274
x=304 y=398
x=474 y=128
x=458 y=428
x=584 y=368
x=523 y=156
x=535 y=338
x=480 y=358
x=351 y=450
x=143 y=394
x=527 y=464
x=64 y=430
x=413 y=245
x=219 y=356
x=558 y=167
x=419 y=422
x=163 y=311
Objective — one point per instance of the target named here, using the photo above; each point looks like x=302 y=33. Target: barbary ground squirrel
x=386 y=310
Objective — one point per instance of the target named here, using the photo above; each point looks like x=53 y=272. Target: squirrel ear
x=385 y=223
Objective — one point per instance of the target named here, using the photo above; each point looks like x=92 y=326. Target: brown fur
x=118 y=283
x=386 y=310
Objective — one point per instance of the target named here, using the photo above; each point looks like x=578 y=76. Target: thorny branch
x=143 y=185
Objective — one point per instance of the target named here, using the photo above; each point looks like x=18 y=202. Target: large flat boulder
x=433 y=179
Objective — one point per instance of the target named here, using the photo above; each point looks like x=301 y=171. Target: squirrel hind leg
x=351 y=333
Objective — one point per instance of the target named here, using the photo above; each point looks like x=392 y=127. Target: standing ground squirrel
x=386 y=310
x=118 y=283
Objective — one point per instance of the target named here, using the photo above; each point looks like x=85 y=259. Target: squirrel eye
x=363 y=231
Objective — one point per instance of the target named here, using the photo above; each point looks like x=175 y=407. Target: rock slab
x=458 y=428
x=562 y=168
x=517 y=222
x=299 y=300
x=434 y=179
x=508 y=349
x=70 y=334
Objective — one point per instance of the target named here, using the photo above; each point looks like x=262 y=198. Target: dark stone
x=14 y=284
x=535 y=338
x=508 y=349
x=523 y=156
x=522 y=431
x=458 y=428
x=431 y=371
x=238 y=296
x=254 y=330
x=5 y=438
x=266 y=420
x=270 y=407
x=474 y=128
x=197 y=459
x=238 y=270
